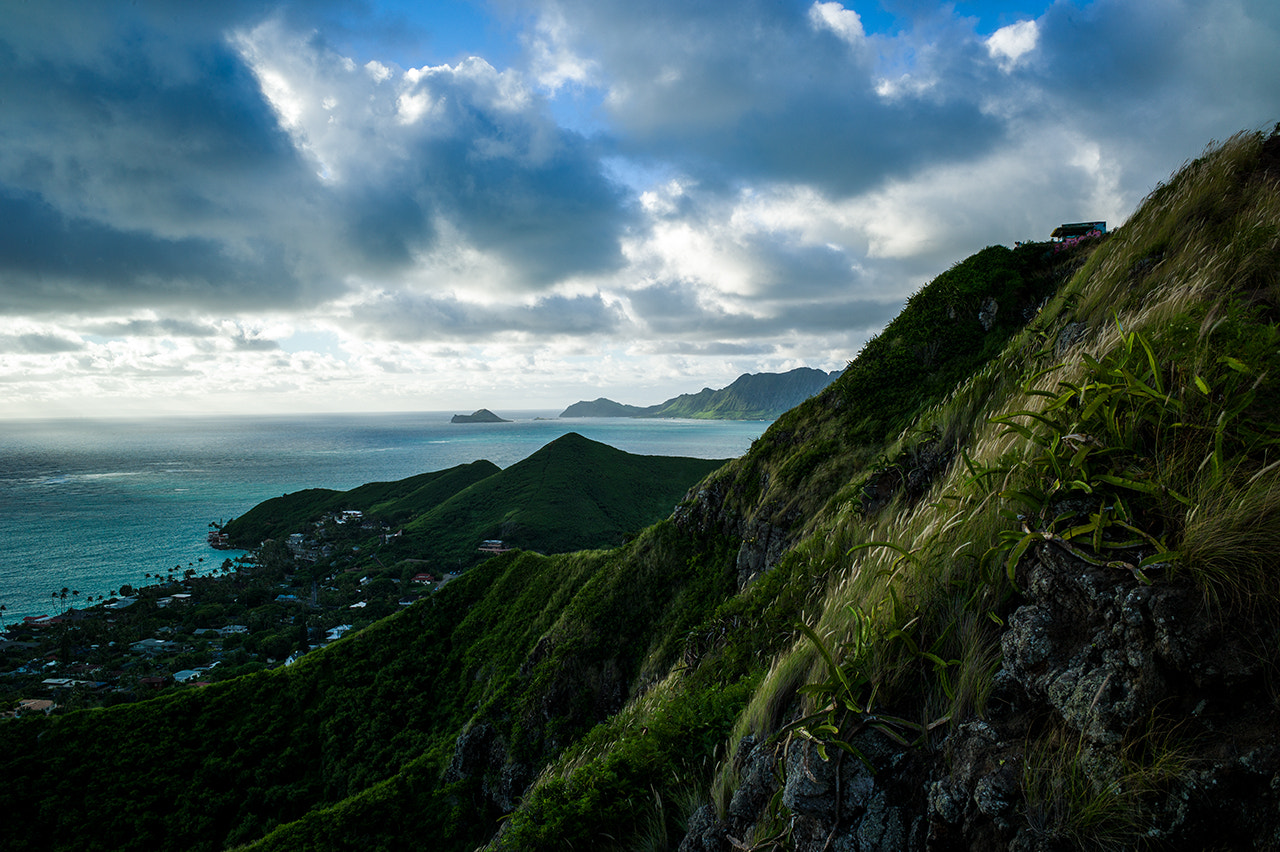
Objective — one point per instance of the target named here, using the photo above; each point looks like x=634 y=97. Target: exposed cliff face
x=1094 y=655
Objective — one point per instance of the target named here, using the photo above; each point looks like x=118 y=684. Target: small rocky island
x=484 y=415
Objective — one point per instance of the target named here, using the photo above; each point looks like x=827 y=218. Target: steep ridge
x=751 y=396
x=1007 y=583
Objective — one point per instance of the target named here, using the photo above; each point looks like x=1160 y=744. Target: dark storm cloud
x=514 y=185
x=759 y=91
x=151 y=328
x=677 y=310
x=145 y=167
x=1158 y=81
x=38 y=344
x=798 y=272
x=418 y=160
x=407 y=317
x=552 y=220
x=141 y=169
x=51 y=263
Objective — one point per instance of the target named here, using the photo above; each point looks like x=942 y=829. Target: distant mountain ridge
x=752 y=396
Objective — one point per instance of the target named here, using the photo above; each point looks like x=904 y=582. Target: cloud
x=406 y=316
x=760 y=91
x=674 y=310
x=661 y=192
x=150 y=328
x=464 y=149
x=1008 y=45
x=52 y=263
x=223 y=160
x=39 y=344
x=845 y=23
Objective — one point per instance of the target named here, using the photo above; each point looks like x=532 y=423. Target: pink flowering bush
x=1071 y=241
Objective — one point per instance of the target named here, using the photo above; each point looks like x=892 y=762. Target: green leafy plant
x=1094 y=485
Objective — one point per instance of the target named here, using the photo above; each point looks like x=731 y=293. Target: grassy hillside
x=393 y=502
x=573 y=493
x=1012 y=584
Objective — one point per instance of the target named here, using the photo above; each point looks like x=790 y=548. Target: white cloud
x=1008 y=45
x=554 y=63
x=236 y=208
x=845 y=23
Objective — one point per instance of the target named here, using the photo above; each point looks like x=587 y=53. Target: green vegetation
x=1113 y=401
x=571 y=494
x=391 y=502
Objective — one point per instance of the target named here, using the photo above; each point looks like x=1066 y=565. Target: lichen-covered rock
x=1096 y=654
x=1082 y=643
x=757 y=783
x=704 y=832
x=762 y=546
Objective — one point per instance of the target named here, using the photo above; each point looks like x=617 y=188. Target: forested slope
x=571 y=494
x=1008 y=582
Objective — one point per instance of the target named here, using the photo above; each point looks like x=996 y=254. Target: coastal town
x=198 y=624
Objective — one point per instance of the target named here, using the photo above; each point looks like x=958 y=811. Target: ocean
x=89 y=505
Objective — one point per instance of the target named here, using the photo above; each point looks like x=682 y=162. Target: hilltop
x=572 y=494
x=752 y=396
x=1003 y=584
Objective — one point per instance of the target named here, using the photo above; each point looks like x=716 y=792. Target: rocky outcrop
x=762 y=546
x=910 y=474
x=505 y=757
x=1154 y=702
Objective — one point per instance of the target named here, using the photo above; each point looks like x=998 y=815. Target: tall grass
x=1160 y=439
x=1073 y=799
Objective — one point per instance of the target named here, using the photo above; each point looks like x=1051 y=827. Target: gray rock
x=704 y=833
x=1067 y=338
x=987 y=313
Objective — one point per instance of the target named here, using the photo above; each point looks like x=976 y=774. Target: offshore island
x=484 y=415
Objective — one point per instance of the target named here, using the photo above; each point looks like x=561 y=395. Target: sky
x=336 y=205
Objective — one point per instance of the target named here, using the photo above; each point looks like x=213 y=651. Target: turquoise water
x=93 y=504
